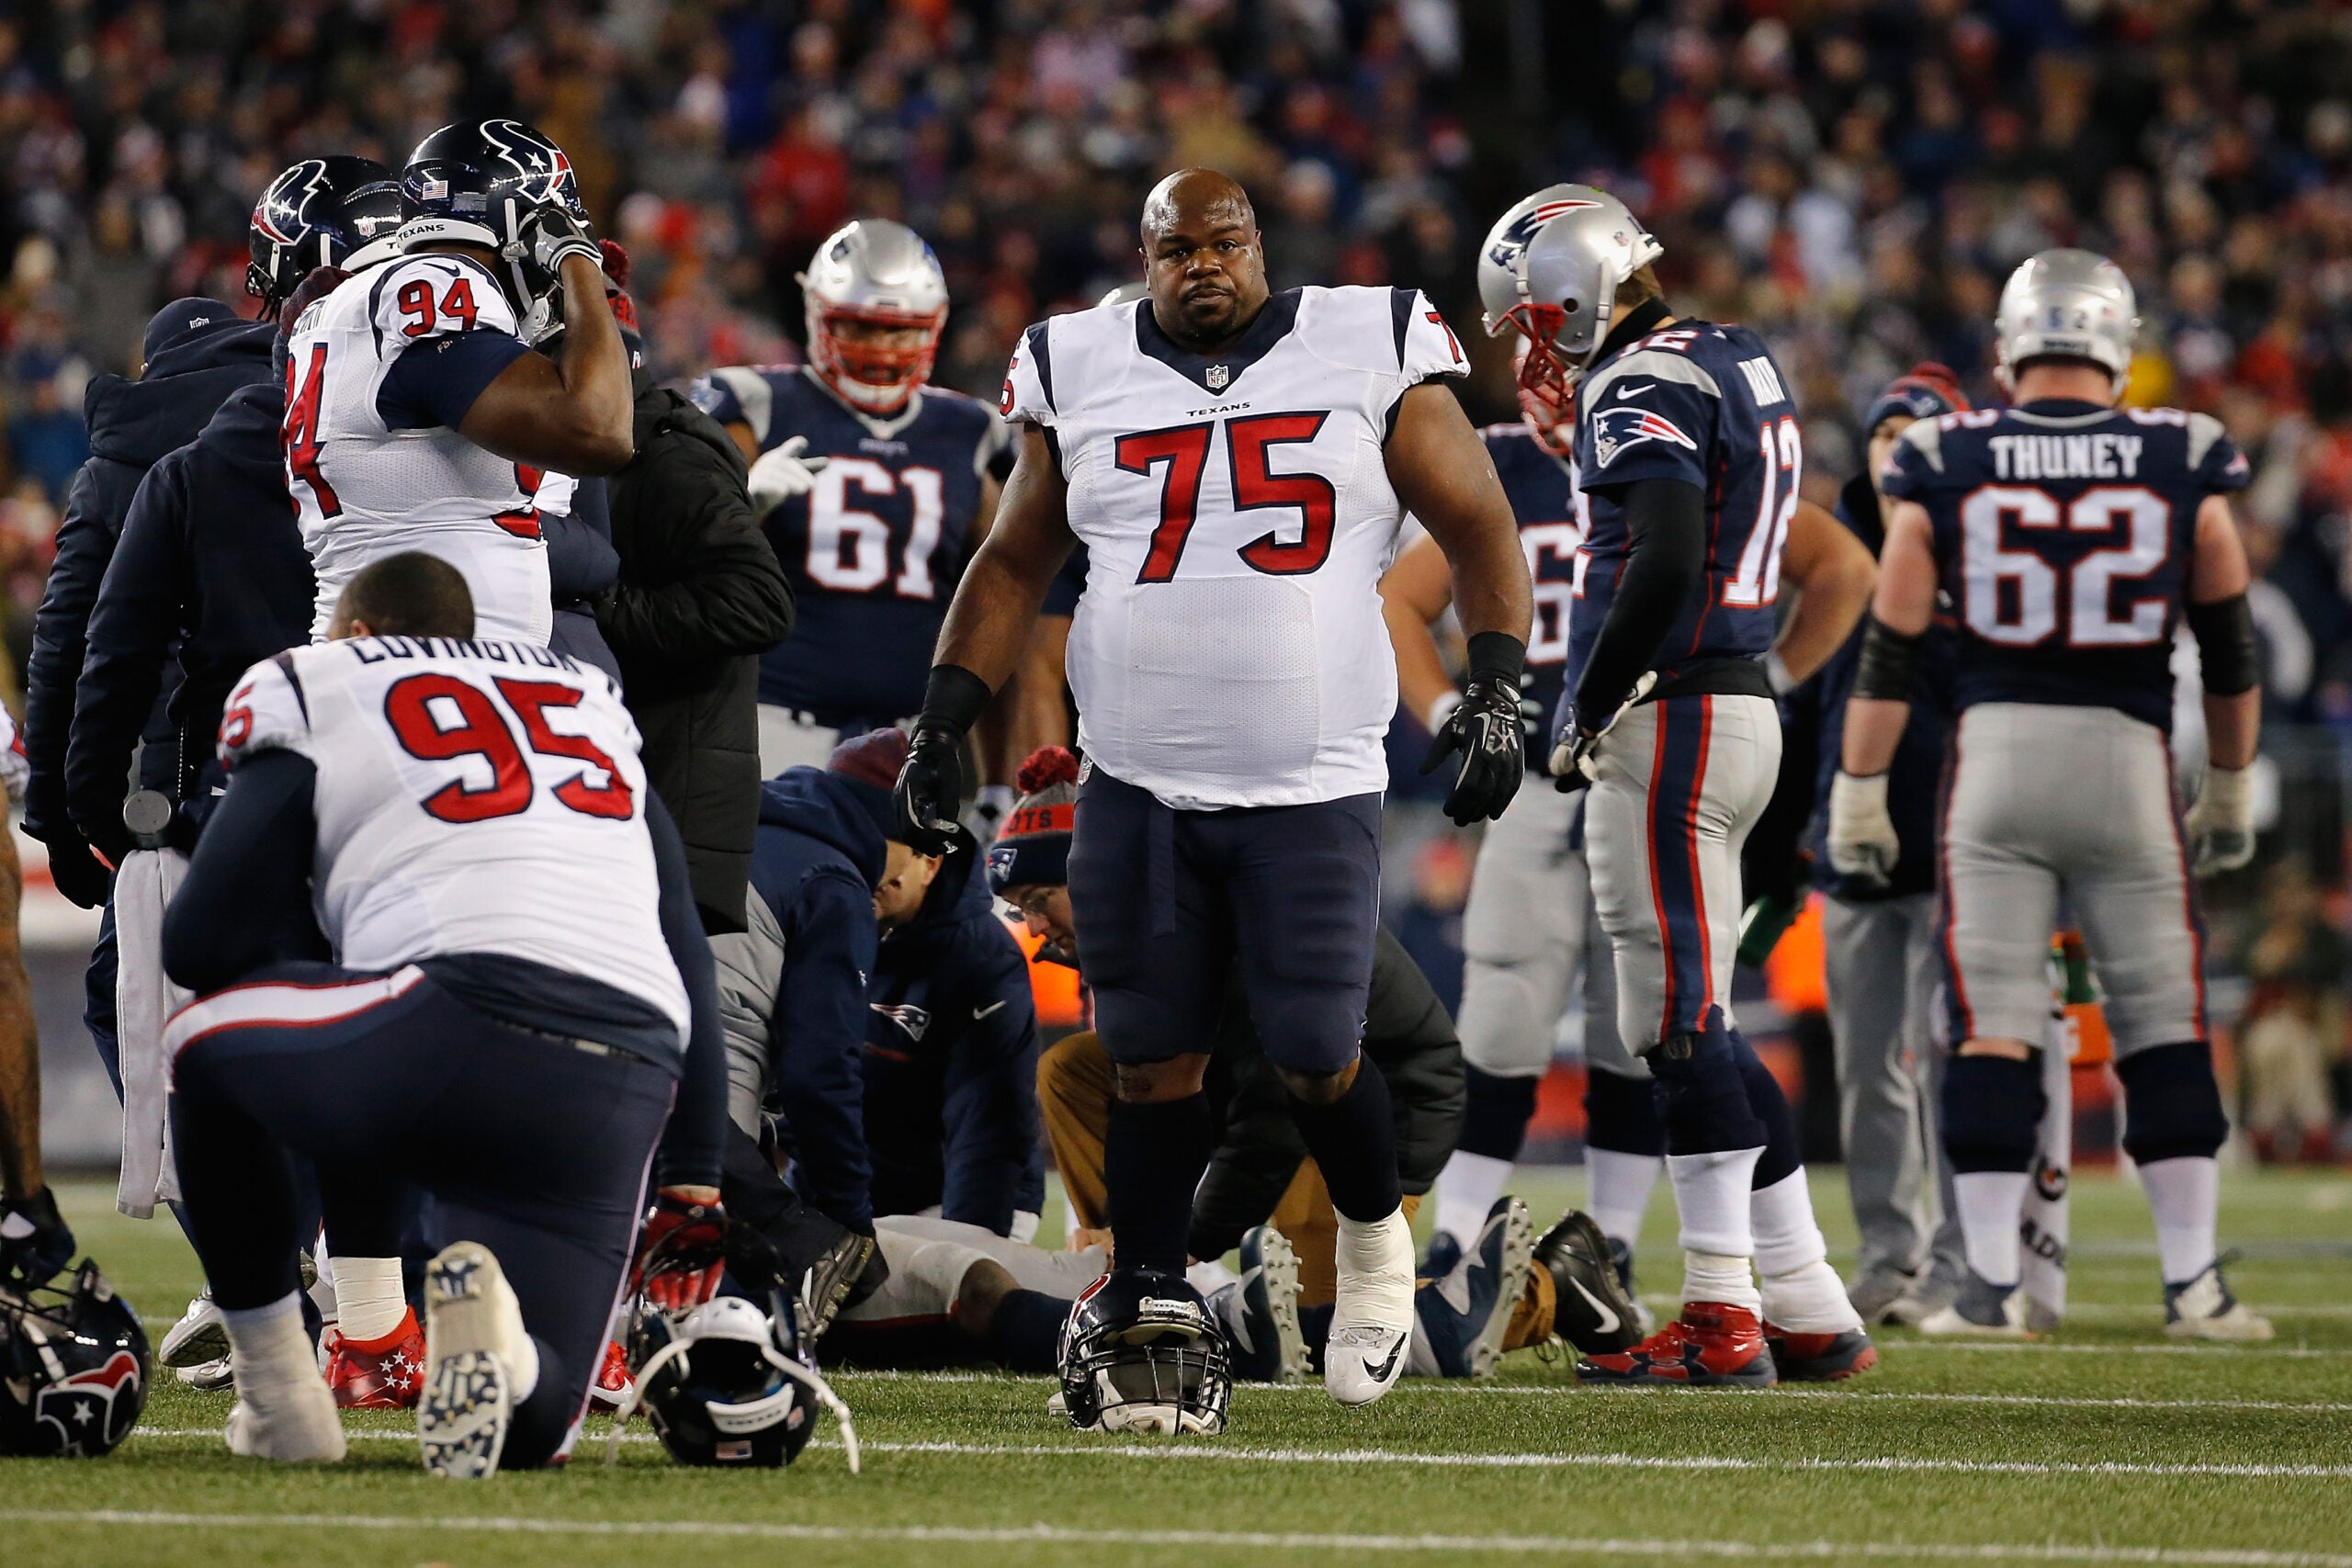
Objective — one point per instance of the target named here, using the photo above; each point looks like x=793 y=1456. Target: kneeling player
x=521 y=991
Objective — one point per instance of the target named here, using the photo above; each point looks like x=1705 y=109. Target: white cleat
x=1980 y=1310
x=201 y=1334
x=208 y=1377
x=296 y=1424
x=479 y=1362
x=1372 y=1319
x=2205 y=1309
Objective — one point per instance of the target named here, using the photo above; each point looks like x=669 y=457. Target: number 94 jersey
x=471 y=797
x=2063 y=533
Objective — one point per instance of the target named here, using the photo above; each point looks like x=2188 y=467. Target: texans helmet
x=73 y=1368
x=1143 y=1353
x=478 y=183
x=728 y=1383
x=338 y=212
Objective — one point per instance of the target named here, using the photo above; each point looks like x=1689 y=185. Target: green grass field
x=2107 y=1444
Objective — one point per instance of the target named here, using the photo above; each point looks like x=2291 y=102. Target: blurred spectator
x=2293 y=1028
x=1428 y=921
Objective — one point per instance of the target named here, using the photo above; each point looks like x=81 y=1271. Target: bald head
x=1203 y=259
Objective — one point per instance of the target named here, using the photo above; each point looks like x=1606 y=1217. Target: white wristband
x=1441 y=710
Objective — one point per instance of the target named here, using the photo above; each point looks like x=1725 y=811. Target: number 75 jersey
x=2064 y=533
x=1228 y=648
x=470 y=798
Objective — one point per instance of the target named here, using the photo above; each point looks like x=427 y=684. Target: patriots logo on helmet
x=1619 y=426
x=1519 y=235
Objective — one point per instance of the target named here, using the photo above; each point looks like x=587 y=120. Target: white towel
x=144 y=998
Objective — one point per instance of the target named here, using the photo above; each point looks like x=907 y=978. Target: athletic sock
x=268 y=1352
x=1991 y=1203
x=1353 y=1139
x=1711 y=1192
x=1719 y=1277
x=1467 y=1192
x=1617 y=1190
x=2183 y=1193
x=1210 y=1275
x=1801 y=1291
x=1496 y=1110
x=1026 y=1334
x=369 y=1303
x=1152 y=1159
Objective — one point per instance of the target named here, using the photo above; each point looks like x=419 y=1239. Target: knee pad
x=1992 y=1110
x=1495 y=1114
x=2172 y=1107
x=1706 y=1100
x=1782 y=1154
x=1622 y=1113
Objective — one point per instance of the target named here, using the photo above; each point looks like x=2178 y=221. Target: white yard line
x=1259 y=1540
x=1786 y=1390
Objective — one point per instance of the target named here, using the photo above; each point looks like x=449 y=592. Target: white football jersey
x=1228 y=648
x=365 y=491
x=472 y=797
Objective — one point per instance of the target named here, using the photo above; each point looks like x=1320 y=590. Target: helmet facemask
x=876 y=377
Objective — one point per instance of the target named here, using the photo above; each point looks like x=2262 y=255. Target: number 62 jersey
x=2064 y=533
x=470 y=798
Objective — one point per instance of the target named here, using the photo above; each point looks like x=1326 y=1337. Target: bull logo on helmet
x=1522 y=233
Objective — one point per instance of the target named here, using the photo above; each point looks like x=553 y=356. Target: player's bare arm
x=1413 y=594
x=573 y=412
x=1834 y=575
x=1863 y=840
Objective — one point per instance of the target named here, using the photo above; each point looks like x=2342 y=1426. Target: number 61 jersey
x=2064 y=533
x=471 y=797
x=1228 y=648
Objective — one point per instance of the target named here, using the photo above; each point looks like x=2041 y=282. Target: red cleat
x=1710 y=1346
x=378 y=1375
x=613 y=1385
x=1819 y=1358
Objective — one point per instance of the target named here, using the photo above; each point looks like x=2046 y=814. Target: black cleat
x=1594 y=1311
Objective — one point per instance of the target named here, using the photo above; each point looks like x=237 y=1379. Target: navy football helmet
x=339 y=211
x=74 y=1368
x=498 y=183
x=1143 y=1353
x=728 y=1383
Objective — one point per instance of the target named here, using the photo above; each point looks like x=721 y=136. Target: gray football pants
x=1884 y=971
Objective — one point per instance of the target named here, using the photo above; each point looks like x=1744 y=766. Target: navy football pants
x=533 y=1146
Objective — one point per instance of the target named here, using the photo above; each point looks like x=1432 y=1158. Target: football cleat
x=476 y=1353
x=1980 y=1310
x=2204 y=1309
x=297 y=1426
x=378 y=1375
x=208 y=1377
x=1819 y=1358
x=1464 y=1309
x=1710 y=1346
x=1371 y=1318
x=1876 y=1295
x=1260 y=1311
x=201 y=1334
x=614 y=1387
x=1621 y=1259
x=1596 y=1310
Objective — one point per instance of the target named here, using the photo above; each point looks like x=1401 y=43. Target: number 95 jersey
x=471 y=797
x=2064 y=532
x=1235 y=509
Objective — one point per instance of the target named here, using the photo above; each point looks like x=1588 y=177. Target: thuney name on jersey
x=2065 y=533
x=1235 y=509
x=477 y=796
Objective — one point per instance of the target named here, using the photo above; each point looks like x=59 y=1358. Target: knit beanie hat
x=1924 y=391
x=1032 y=849
x=869 y=763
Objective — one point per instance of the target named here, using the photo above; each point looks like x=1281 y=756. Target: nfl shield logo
x=1216 y=377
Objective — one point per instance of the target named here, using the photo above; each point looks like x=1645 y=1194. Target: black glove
x=79 y=874
x=931 y=786
x=544 y=239
x=36 y=1244
x=1489 y=733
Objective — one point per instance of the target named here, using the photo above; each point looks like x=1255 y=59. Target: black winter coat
x=700 y=598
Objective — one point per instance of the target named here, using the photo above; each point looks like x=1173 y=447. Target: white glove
x=1863 y=841
x=783 y=473
x=2220 y=824
x=1575 y=762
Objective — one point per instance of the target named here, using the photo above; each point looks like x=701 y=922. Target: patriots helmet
x=74 y=1368
x=1143 y=1353
x=876 y=275
x=480 y=183
x=731 y=1382
x=340 y=211
x=1550 y=268
x=2069 y=304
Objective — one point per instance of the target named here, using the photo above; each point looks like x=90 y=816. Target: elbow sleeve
x=1889 y=658
x=2226 y=646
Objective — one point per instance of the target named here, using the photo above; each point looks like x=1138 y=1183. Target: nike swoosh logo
x=1609 y=1319
x=1624 y=392
x=980 y=1013
x=1381 y=1372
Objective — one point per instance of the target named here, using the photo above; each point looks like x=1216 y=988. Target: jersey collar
x=1217 y=373
x=2062 y=411
x=882 y=429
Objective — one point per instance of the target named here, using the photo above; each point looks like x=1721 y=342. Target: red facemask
x=874 y=377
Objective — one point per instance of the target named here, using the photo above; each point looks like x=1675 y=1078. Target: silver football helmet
x=1550 y=267
x=879 y=274
x=2066 y=302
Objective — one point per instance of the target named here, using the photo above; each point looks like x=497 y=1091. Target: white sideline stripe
x=1043 y=1534
x=1577 y=1391
x=2011 y=1346
x=1505 y=1461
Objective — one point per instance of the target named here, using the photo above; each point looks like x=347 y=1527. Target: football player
x=35 y=1241
x=875 y=485
x=417 y=418
x=512 y=1043
x=2074 y=536
x=1237 y=463
x=1688 y=456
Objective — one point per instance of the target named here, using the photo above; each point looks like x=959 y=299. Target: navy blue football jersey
x=2065 y=533
x=875 y=550
x=1542 y=492
x=1706 y=404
